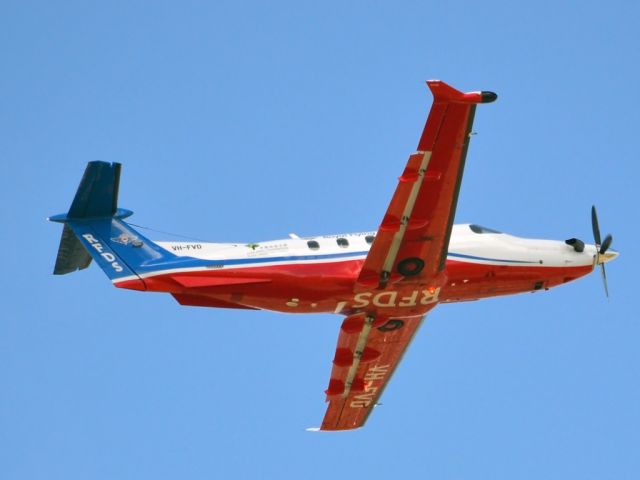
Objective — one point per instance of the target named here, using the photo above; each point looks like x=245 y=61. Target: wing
x=407 y=257
x=368 y=353
x=412 y=240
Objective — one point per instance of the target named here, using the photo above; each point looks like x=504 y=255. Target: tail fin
x=97 y=196
x=93 y=228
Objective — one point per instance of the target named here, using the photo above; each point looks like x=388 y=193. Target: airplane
x=383 y=283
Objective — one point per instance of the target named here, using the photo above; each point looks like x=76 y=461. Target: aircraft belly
x=330 y=287
x=293 y=288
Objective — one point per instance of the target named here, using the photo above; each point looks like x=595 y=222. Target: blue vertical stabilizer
x=93 y=229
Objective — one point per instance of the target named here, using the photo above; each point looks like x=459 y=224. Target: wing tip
x=446 y=93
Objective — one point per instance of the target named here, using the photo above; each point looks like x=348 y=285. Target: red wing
x=367 y=354
x=412 y=240
x=410 y=248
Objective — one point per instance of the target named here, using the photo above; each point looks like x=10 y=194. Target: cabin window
x=481 y=229
x=342 y=242
x=369 y=239
x=313 y=245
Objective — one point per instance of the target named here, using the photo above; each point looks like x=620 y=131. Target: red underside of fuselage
x=321 y=287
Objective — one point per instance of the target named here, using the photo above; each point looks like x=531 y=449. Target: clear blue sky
x=244 y=121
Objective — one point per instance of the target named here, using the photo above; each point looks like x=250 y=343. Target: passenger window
x=313 y=245
x=343 y=242
x=369 y=239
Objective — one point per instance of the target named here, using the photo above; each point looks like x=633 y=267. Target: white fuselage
x=465 y=245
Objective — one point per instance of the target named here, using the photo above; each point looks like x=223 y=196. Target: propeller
x=601 y=246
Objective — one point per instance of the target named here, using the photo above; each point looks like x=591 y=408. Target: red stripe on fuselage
x=319 y=287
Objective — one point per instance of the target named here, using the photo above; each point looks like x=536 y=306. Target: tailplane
x=94 y=229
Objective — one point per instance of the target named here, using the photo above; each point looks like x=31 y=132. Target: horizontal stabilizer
x=72 y=255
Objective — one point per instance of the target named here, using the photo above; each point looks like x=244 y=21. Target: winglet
x=443 y=92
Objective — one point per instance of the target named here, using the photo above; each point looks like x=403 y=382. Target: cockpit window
x=480 y=229
x=313 y=245
x=369 y=239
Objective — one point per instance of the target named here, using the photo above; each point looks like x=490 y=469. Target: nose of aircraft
x=607 y=256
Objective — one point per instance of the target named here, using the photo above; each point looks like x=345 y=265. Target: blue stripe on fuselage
x=473 y=257
x=244 y=261
x=191 y=262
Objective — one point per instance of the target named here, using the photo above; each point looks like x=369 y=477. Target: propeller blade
x=604 y=280
x=601 y=247
x=606 y=244
x=594 y=225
